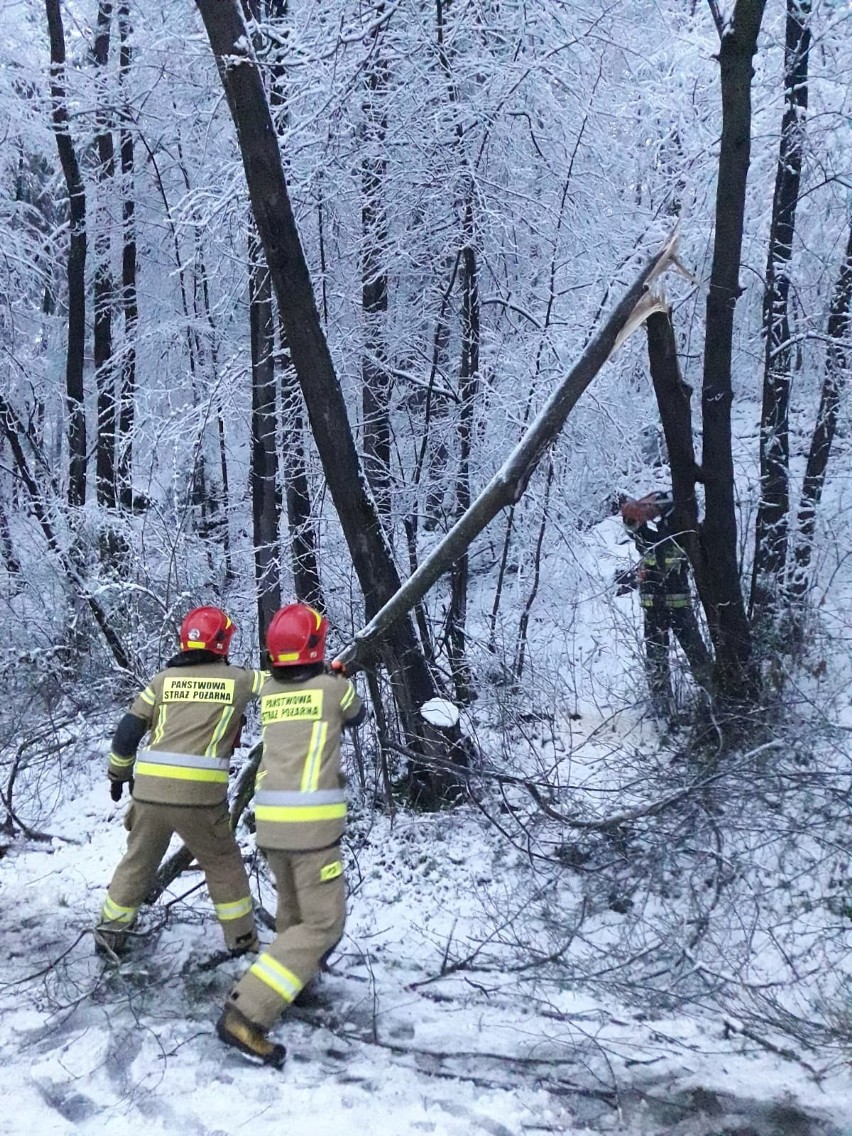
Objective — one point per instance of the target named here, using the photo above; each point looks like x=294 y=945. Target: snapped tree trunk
x=508 y=485
x=76 y=268
x=412 y=682
x=673 y=397
x=735 y=672
x=771 y=527
x=837 y=365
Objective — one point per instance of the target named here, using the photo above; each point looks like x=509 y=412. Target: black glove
x=116 y=788
x=626 y=582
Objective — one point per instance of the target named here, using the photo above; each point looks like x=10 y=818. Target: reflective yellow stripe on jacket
x=182 y=766
x=292 y=807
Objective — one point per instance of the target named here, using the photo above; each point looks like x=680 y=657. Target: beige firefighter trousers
x=309 y=921
x=206 y=831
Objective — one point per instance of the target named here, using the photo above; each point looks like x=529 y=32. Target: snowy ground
x=418 y=1032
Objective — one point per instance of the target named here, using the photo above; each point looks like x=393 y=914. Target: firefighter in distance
x=193 y=710
x=662 y=578
x=300 y=812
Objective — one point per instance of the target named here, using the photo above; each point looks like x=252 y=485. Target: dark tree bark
x=736 y=677
x=837 y=367
x=304 y=561
x=771 y=528
x=469 y=391
x=7 y=545
x=412 y=682
x=129 y=301
x=265 y=499
x=104 y=285
x=76 y=268
x=468 y=386
x=375 y=373
x=673 y=400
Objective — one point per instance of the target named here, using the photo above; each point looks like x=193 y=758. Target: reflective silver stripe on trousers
x=284 y=797
x=187 y=760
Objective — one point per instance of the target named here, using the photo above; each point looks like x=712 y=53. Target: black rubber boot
x=310 y=997
x=236 y=1030
x=246 y=944
x=109 y=943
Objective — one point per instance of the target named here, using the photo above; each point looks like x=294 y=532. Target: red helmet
x=648 y=508
x=296 y=636
x=206 y=629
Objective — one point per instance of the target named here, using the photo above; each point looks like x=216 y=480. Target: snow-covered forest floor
x=397 y=1047
x=504 y=970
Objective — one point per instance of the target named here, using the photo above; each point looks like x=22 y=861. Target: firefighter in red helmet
x=664 y=593
x=193 y=710
x=300 y=811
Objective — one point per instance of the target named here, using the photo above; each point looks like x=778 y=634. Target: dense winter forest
x=305 y=298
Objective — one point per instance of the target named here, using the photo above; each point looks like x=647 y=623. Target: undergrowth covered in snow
x=611 y=932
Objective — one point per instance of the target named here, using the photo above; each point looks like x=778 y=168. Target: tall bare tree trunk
x=837 y=367
x=468 y=383
x=469 y=390
x=304 y=560
x=76 y=269
x=375 y=374
x=771 y=528
x=265 y=498
x=736 y=675
x=129 y=301
x=220 y=511
x=104 y=285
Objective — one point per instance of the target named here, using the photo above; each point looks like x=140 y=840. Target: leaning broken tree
x=507 y=486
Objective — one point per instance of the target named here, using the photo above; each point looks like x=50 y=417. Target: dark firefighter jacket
x=664 y=572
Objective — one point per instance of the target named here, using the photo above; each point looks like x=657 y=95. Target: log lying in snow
x=509 y=483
